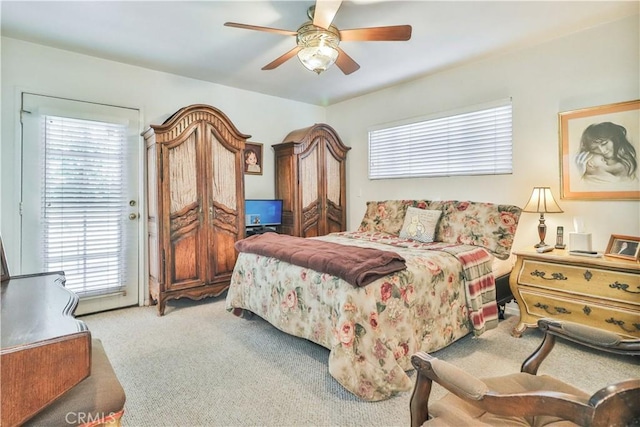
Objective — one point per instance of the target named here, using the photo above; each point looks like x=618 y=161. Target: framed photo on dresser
x=626 y=247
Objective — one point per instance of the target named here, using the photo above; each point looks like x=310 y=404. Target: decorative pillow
x=420 y=224
x=481 y=224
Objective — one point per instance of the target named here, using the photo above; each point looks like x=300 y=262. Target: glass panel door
x=80 y=210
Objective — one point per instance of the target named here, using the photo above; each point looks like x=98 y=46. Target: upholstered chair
x=524 y=398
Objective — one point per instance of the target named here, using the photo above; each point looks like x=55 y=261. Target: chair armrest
x=599 y=339
x=588 y=336
x=476 y=392
x=457 y=381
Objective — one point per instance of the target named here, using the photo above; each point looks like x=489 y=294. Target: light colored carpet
x=201 y=366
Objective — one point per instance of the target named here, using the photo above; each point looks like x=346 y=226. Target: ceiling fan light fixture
x=318 y=47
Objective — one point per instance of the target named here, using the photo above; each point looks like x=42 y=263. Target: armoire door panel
x=309 y=178
x=224 y=231
x=182 y=174
x=333 y=226
x=223 y=177
x=222 y=261
x=311 y=231
x=333 y=179
x=184 y=264
x=285 y=166
x=224 y=219
x=334 y=213
x=311 y=219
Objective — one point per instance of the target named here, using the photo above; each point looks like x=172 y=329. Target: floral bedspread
x=371 y=331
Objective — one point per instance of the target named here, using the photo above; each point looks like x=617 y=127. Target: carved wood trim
x=307 y=137
x=189 y=116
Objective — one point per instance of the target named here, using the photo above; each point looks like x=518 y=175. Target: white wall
x=590 y=68
x=586 y=69
x=39 y=69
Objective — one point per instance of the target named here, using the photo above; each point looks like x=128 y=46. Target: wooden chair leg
x=533 y=362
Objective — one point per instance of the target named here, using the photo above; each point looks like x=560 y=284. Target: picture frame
x=600 y=152
x=252 y=151
x=625 y=247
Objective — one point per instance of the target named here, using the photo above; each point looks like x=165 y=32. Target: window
x=473 y=142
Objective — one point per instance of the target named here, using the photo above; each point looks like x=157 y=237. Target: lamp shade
x=542 y=201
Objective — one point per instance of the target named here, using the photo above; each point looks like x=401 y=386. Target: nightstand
x=600 y=292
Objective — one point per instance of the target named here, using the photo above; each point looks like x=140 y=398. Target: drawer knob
x=554 y=276
x=623 y=287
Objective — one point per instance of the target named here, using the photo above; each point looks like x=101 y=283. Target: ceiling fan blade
x=346 y=63
x=265 y=29
x=393 y=33
x=325 y=12
x=282 y=59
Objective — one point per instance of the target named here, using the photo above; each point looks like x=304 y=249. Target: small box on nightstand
x=580 y=241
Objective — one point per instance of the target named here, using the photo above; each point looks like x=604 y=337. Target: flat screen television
x=263 y=213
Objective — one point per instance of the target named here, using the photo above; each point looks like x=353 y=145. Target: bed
x=446 y=291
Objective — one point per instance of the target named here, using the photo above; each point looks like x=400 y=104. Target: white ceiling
x=188 y=37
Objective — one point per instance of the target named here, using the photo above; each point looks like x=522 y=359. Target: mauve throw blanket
x=355 y=265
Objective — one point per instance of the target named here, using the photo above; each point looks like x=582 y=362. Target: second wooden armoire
x=196 y=203
x=311 y=181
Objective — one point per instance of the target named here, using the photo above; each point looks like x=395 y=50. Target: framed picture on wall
x=253 y=158
x=599 y=149
x=627 y=247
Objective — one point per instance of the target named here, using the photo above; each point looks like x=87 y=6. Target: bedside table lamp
x=542 y=201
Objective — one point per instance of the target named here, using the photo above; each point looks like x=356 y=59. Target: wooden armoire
x=195 y=189
x=311 y=181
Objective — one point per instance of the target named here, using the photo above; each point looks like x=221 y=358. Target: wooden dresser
x=45 y=350
x=599 y=292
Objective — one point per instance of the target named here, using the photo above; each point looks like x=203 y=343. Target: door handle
x=133 y=216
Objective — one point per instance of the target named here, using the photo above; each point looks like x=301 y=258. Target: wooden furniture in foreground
x=45 y=350
x=196 y=203
x=525 y=398
x=599 y=292
x=311 y=181
x=98 y=401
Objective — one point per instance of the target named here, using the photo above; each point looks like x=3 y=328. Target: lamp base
x=542 y=232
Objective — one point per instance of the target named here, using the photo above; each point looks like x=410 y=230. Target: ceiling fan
x=317 y=40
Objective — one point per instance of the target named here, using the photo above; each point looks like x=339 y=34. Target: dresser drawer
x=615 y=319
x=580 y=280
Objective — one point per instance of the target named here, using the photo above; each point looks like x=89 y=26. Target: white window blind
x=477 y=142
x=83 y=203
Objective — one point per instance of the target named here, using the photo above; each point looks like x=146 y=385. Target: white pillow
x=420 y=224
